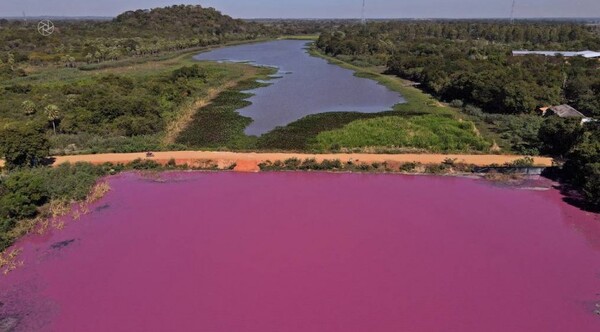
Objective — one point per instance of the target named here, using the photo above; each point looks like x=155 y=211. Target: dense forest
x=472 y=62
x=131 y=34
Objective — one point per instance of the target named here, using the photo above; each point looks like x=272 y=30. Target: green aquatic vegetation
x=299 y=135
x=219 y=125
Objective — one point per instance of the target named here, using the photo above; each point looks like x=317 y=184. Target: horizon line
x=337 y=18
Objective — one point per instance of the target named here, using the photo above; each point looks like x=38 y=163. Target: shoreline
x=193 y=157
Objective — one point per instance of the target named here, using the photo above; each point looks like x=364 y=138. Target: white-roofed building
x=585 y=54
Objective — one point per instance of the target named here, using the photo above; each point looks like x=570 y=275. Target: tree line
x=472 y=61
x=133 y=33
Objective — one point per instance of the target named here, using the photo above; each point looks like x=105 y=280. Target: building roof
x=589 y=54
x=585 y=54
x=565 y=111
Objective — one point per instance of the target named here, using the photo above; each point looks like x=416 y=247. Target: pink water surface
x=312 y=252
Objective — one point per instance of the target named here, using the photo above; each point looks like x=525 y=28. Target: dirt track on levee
x=249 y=161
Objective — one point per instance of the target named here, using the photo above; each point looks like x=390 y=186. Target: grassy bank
x=421 y=123
x=300 y=37
x=432 y=133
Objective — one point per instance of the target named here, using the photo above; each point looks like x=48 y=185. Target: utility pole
x=512 y=12
x=363 y=18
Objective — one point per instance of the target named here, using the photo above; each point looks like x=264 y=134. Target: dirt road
x=248 y=161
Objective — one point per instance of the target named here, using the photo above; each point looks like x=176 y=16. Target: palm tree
x=28 y=107
x=53 y=113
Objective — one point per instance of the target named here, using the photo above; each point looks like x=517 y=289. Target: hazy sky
x=317 y=8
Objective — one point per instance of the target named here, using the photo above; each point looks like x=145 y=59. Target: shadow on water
x=570 y=195
x=574 y=198
x=102 y=207
x=62 y=244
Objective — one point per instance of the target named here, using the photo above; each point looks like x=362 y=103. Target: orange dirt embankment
x=247 y=161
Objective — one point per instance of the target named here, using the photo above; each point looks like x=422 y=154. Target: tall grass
x=429 y=132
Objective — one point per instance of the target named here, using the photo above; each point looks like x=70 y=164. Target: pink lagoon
x=225 y=252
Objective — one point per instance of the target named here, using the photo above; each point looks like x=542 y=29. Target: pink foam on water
x=313 y=252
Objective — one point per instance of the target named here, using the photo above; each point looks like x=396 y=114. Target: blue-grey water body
x=305 y=85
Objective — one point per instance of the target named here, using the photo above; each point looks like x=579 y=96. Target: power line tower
x=512 y=12
x=363 y=18
x=24 y=17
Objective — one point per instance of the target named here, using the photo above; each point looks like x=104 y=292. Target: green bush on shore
x=23 y=192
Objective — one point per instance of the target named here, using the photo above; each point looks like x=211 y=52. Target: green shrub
x=332 y=164
x=189 y=72
x=23 y=146
x=437 y=168
x=72 y=181
x=523 y=162
x=408 y=167
x=310 y=164
x=21 y=193
x=473 y=110
x=449 y=161
x=292 y=163
x=457 y=103
x=144 y=164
